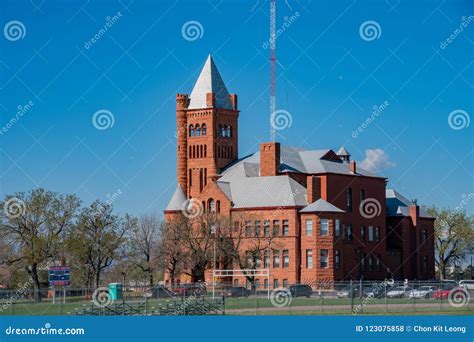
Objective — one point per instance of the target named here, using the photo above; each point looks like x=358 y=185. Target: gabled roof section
x=225 y=187
x=398 y=205
x=177 y=200
x=343 y=152
x=209 y=81
x=321 y=206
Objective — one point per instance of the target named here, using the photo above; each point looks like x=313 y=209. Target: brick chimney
x=233 y=101
x=352 y=166
x=269 y=158
x=210 y=100
x=313 y=188
x=414 y=212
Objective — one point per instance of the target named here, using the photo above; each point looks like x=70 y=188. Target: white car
x=399 y=292
x=422 y=292
x=467 y=284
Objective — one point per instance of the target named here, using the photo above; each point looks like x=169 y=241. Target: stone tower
x=207 y=130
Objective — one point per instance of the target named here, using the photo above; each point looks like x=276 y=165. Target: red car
x=443 y=293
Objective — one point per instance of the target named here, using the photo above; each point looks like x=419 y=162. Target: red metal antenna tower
x=272 y=68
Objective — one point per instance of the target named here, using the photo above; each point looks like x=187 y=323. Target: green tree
x=454 y=238
x=34 y=224
x=96 y=240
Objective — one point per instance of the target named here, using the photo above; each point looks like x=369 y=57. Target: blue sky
x=330 y=76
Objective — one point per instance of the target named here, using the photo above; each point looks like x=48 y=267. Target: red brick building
x=332 y=219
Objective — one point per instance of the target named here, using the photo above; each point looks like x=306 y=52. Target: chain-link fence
x=351 y=297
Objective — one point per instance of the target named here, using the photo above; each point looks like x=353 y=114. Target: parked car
x=160 y=292
x=422 y=292
x=300 y=290
x=467 y=284
x=399 y=291
x=187 y=290
x=238 y=291
x=346 y=292
x=376 y=291
x=443 y=292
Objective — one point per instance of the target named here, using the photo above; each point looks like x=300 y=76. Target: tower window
x=212 y=206
x=224 y=131
x=198 y=130
x=349 y=199
x=229 y=132
x=191 y=130
x=219 y=133
x=203 y=129
x=205 y=150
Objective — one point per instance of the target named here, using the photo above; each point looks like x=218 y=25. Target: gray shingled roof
x=209 y=81
x=293 y=159
x=177 y=200
x=397 y=205
x=321 y=206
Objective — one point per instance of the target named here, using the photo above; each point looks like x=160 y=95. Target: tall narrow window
x=309 y=258
x=229 y=132
x=203 y=129
x=425 y=264
x=266 y=259
x=286 y=259
x=205 y=150
x=248 y=228
x=257 y=228
x=286 y=228
x=190 y=152
x=324 y=227
x=276 y=227
x=218 y=206
x=349 y=232
x=323 y=258
x=309 y=227
x=265 y=283
x=377 y=233
x=349 y=200
x=198 y=130
x=276 y=259
x=201 y=152
x=337 y=227
x=424 y=235
x=371 y=263
x=337 y=259
x=362 y=262
x=266 y=228
x=275 y=283
x=378 y=265
x=371 y=233
x=362 y=195
x=362 y=233
x=190 y=177
x=191 y=130
x=219 y=130
x=212 y=206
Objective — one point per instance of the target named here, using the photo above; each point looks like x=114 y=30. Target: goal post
x=259 y=272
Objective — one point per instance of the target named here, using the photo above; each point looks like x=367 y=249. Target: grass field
x=263 y=306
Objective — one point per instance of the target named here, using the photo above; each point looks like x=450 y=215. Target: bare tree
x=144 y=245
x=172 y=253
x=34 y=225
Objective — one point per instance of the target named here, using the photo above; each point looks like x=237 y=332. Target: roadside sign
x=59 y=275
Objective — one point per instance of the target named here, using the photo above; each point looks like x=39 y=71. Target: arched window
x=203 y=129
x=229 y=132
x=212 y=205
x=219 y=132
x=191 y=130
x=198 y=130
